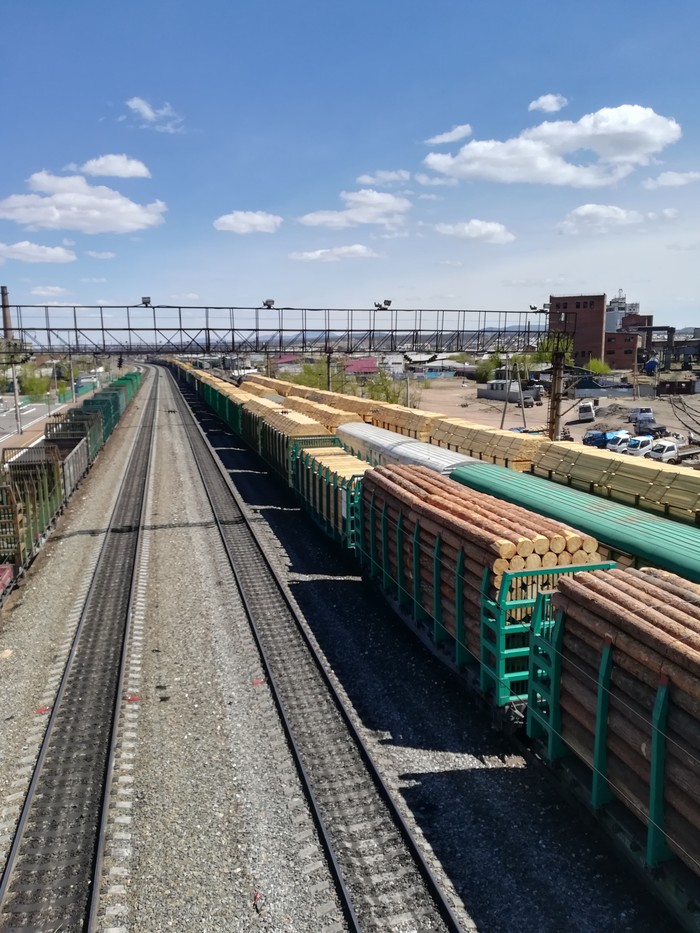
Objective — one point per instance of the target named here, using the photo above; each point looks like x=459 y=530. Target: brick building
x=621 y=349
x=589 y=337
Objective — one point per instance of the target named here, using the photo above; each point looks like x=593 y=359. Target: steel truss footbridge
x=147 y=329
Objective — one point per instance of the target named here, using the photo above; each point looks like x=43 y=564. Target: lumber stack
x=261 y=407
x=259 y=390
x=330 y=417
x=652 y=620
x=411 y=422
x=238 y=396
x=326 y=479
x=488 y=532
x=656 y=487
x=504 y=448
x=292 y=424
x=271 y=385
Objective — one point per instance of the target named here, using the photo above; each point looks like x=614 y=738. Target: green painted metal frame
x=657 y=849
x=504 y=645
x=544 y=682
x=600 y=788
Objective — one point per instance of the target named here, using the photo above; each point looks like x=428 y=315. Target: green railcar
x=36 y=477
x=75 y=424
x=107 y=403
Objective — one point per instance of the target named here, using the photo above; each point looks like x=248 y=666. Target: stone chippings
x=219 y=840
x=215 y=838
x=495 y=831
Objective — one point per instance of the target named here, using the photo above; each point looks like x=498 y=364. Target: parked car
x=651 y=427
x=618 y=442
x=640 y=414
x=639 y=446
x=597 y=438
x=586 y=411
x=670 y=451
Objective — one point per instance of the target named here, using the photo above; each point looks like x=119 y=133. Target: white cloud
x=685 y=247
x=248 y=222
x=383 y=177
x=162 y=119
x=429 y=197
x=671 y=180
x=105 y=254
x=70 y=203
x=66 y=242
x=454 y=263
x=621 y=137
x=451 y=136
x=33 y=252
x=487 y=230
x=603 y=218
x=434 y=181
x=550 y=103
x=362 y=207
x=48 y=291
x=336 y=254
x=94 y=281
x=117 y=166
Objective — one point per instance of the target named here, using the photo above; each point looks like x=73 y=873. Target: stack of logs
x=652 y=619
x=488 y=532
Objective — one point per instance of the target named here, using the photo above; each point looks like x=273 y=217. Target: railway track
x=382 y=878
x=51 y=879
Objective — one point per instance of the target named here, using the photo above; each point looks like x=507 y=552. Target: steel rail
x=444 y=908
x=317 y=816
x=47 y=898
x=104 y=817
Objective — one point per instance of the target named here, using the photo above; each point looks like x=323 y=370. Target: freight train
x=38 y=481
x=571 y=615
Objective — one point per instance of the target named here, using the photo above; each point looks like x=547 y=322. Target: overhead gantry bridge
x=146 y=329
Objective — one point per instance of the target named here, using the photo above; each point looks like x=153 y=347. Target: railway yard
x=286 y=753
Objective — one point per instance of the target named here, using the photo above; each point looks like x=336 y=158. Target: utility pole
x=18 y=416
x=554 y=419
x=505 y=401
x=72 y=377
x=328 y=370
x=516 y=372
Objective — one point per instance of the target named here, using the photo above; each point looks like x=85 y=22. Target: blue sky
x=449 y=154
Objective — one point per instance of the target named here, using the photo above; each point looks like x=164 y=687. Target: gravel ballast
x=210 y=830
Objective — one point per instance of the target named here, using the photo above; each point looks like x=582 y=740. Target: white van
x=640 y=446
x=586 y=411
x=619 y=442
x=640 y=414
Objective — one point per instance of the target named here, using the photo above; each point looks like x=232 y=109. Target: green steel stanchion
x=386 y=576
x=418 y=612
x=438 y=629
x=657 y=849
x=543 y=705
x=362 y=553
x=461 y=652
x=600 y=789
x=400 y=573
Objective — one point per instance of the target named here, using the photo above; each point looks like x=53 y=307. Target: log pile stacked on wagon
x=434 y=538
x=630 y=697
